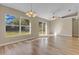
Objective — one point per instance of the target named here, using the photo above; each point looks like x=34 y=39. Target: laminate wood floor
x=59 y=45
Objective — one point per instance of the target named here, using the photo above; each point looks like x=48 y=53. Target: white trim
x=65 y=35
x=59 y=35
x=20 y=25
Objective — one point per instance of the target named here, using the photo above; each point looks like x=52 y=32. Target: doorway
x=42 y=28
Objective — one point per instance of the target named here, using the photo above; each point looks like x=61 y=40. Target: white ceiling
x=46 y=10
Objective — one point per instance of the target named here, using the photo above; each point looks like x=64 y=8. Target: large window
x=42 y=28
x=25 y=26
x=17 y=26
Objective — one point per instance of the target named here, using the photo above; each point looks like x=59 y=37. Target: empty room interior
x=39 y=29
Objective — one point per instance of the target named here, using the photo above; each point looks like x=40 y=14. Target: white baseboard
x=64 y=35
x=59 y=35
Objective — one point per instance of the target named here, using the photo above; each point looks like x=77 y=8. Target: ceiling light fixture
x=55 y=17
x=31 y=13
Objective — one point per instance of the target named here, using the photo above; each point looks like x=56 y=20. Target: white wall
x=62 y=26
x=78 y=23
x=1 y=25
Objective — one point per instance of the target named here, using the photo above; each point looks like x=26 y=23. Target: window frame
x=19 y=32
